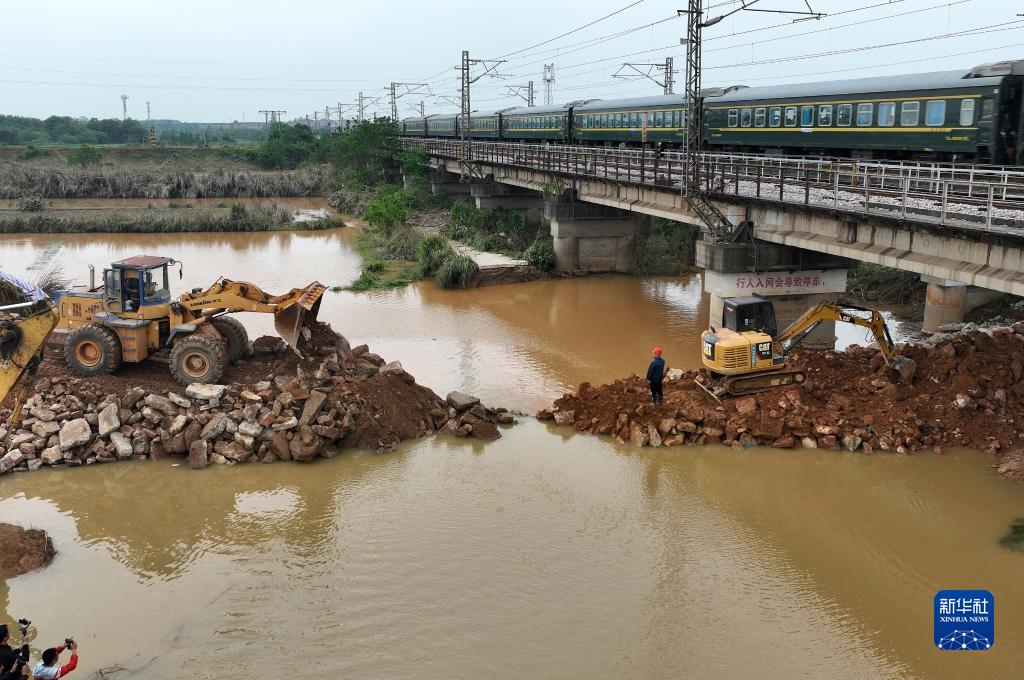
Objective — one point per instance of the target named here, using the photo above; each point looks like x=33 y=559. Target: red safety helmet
x=657 y=351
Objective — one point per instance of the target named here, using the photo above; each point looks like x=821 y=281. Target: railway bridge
x=797 y=223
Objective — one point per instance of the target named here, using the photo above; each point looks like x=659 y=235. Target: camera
x=68 y=641
x=24 y=624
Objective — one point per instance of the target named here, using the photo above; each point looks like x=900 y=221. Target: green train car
x=537 y=123
x=442 y=125
x=946 y=115
x=632 y=121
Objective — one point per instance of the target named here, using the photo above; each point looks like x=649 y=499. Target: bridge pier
x=945 y=302
x=494 y=196
x=794 y=279
x=442 y=181
x=593 y=237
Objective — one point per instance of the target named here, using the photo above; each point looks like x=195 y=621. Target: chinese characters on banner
x=809 y=283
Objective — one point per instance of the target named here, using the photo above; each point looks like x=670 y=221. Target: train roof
x=537 y=110
x=656 y=100
x=938 y=80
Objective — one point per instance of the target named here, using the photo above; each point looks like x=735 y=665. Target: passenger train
x=975 y=115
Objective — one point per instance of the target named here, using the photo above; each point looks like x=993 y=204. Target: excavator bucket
x=298 y=308
x=904 y=368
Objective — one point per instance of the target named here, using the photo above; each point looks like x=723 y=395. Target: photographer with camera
x=14 y=662
x=47 y=668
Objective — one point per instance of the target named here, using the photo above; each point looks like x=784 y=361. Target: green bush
x=85 y=156
x=432 y=252
x=541 y=255
x=456 y=272
x=32 y=151
x=238 y=212
x=374 y=266
x=668 y=249
x=386 y=209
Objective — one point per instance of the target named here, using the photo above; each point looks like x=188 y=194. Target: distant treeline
x=64 y=130
x=18 y=130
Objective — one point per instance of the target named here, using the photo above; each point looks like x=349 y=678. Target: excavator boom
x=24 y=330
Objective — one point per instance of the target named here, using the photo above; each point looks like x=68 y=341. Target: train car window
x=935 y=112
x=844 y=114
x=967 y=112
x=775 y=116
x=659 y=119
x=745 y=116
x=734 y=117
x=634 y=119
x=865 y=112
x=825 y=115
x=910 y=113
x=806 y=116
x=790 y=116
x=987 y=108
x=759 y=117
x=887 y=114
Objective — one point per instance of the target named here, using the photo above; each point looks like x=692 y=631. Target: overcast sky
x=214 y=60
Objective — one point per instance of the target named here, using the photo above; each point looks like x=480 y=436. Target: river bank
x=22 y=179
x=235 y=216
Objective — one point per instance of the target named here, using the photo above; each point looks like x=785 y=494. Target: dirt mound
x=274 y=406
x=968 y=391
x=23 y=550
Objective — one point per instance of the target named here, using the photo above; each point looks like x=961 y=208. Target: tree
x=85 y=156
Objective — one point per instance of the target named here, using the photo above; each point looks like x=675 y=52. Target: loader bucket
x=301 y=306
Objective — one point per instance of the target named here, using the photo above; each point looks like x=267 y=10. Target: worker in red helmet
x=656 y=376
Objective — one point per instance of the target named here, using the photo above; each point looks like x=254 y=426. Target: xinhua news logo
x=964 y=620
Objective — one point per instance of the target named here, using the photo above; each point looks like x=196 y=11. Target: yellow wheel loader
x=746 y=353
x=132 y=316
x=24 y=330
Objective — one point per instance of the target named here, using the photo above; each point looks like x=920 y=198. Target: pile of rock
x=337 y=397
x=967 y=391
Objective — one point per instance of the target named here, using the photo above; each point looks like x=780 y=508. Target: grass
x=667 y=249
x=156 y=220
x=137 y=158
x=18 y=179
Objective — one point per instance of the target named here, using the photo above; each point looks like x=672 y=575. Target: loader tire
x=235 y=335
x=198 y=359
x=93 y=350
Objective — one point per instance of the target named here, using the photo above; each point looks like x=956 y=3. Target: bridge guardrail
x=940 y=193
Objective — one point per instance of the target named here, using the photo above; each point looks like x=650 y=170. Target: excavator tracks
x=739 y=385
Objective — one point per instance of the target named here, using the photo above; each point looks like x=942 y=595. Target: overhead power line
x=575 y=30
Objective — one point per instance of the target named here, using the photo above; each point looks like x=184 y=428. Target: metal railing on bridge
x=943 y=193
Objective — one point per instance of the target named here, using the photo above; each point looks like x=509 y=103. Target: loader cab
x=749 y=314
x=136 y=282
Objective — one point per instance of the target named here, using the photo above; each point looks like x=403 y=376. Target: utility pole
x=524 y=92
x=124 y=107
x=359 y=116
x=409 y=88
x=153 y=141
x=669 y=75
x=719 y=224
x=549 y=81
x=465 y=119
x=423 y=109
x=341 y=121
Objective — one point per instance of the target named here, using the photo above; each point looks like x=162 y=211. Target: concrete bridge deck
x=954 y=231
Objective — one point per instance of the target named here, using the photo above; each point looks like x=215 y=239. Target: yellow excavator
x=24 y=329
x=746 y=354
x=131 y=316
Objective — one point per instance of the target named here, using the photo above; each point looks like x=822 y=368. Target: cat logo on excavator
x=132 y=316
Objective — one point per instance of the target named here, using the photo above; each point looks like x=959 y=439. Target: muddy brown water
x=541 y=555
